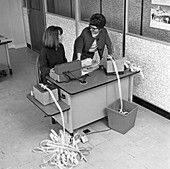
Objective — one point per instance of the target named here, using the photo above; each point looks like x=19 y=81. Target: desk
x=4 y=55
x=88 y=101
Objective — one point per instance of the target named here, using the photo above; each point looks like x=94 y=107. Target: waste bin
x=121 y=122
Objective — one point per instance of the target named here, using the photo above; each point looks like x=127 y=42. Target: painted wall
x=11 y=22
x=154 y=58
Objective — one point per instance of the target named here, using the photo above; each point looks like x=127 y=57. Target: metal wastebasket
x=121 y=122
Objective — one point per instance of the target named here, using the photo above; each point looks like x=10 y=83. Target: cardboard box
x=43 y=96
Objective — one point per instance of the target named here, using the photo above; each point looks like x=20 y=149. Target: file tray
x=67 y=71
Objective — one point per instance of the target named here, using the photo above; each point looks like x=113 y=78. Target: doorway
x=36 y=23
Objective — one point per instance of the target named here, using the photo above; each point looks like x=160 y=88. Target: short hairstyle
x=98 y=20
x=50 y=36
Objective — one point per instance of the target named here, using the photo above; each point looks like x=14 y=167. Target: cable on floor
x=62 y=150
x=99 y=131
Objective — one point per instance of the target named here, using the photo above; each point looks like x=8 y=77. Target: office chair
x=38 y=72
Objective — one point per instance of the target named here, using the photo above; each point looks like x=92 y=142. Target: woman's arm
x=45 y=70
x=109 y=44
x=64 y=56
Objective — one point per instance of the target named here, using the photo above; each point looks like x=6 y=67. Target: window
x=135 y=16
x=35 y=4
x=139 y=16
x=89 y=7
x=113 y=10
x=61 y=7
x=24 y=3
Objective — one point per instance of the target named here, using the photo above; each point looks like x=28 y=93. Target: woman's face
x=94 y=30
x=60 y=37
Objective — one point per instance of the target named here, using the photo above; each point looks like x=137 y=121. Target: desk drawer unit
x=85 y=107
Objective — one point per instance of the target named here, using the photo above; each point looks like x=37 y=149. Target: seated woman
x=52 y=52
x=92 y=40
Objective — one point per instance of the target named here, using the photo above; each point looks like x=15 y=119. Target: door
x=36 y=22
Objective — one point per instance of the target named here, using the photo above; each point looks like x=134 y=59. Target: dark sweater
x=50 y=57
x=84 y=41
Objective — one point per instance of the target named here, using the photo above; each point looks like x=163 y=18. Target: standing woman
x=52 y=52
x=93 y=40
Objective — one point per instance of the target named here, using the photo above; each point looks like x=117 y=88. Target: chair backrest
x=38 y=72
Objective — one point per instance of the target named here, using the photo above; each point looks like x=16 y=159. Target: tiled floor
x=22 y=127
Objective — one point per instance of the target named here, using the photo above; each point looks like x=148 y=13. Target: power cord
x=97 y=131
x=62 y=150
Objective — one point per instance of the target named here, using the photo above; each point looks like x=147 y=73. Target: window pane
x=24 y=3
x=134 y=18
x=35 y=4
x=113 y=11
x=61 y=7
x=88 y=8
x=50 y=6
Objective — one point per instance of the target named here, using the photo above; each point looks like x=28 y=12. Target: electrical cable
x=119 y=85
x=99 y=131
x=58 y=106
x=62 y=150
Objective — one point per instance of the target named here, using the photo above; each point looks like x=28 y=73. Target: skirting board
x=151 y=107
x=18 y=46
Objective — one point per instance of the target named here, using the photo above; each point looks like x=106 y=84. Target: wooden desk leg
x=130 y=93
x=8 y=59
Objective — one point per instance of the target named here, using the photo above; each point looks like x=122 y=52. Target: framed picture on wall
x=160 y=14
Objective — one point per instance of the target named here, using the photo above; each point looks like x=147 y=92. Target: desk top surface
x=94 y=79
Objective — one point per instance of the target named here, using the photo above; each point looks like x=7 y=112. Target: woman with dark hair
x=52 y=52
x=92 y=40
